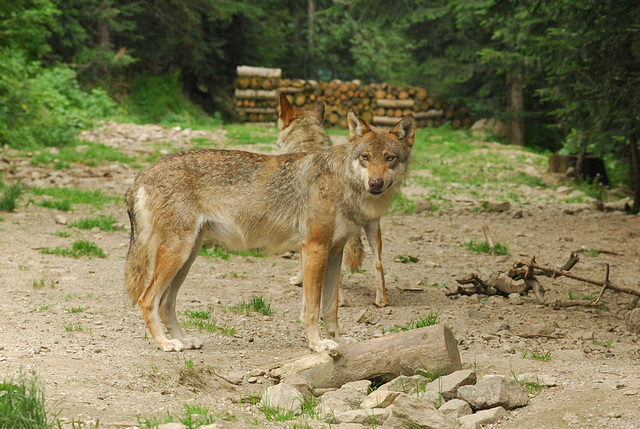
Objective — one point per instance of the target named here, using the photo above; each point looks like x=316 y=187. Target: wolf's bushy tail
x=138 y=261
x=354 y=252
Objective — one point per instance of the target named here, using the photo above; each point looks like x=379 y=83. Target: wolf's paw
x=382 y=301
x=171 y=346
x=192 y=343
x=323 y=346
x=296 y=280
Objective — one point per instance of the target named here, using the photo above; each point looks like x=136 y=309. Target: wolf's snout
x=376 y=183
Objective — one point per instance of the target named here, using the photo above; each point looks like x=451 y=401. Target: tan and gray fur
x=302 y=130
x=316 y=200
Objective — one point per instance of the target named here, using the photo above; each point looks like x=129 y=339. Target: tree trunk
x=515 y=107
x=430 y=349
x=311 y=12
x=635 y=167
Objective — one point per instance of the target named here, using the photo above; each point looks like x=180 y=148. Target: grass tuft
x=257 y=304
x=80 y=248
x=22 y=403
x=483 y=247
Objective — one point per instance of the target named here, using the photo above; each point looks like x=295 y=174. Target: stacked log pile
x=380 y=104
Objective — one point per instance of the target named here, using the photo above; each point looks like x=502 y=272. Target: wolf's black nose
x=376 y=183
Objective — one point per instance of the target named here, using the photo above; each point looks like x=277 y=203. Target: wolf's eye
x=364 y=157
x=390 y=158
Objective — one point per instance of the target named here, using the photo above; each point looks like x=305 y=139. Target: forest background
x=563 y=75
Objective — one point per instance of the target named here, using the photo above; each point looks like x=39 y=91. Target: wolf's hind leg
x=374 y=237
x=167 y=264
x=167 y=307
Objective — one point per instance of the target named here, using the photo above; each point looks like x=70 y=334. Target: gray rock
x=351 y=393
x=379 y=399
x=515 y=299
x=494 y=391
x=543 y=380
x=371 y=417
x=477 y=314
x=328 y=408
x=406 y=384
x=483 y=417
x=632 y=321
x=411 y=411
x=448 y=385
x=456 y=408
x=172 y=425
x=283 y=397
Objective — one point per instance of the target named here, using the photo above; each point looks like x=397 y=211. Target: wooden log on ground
x=432 y=113
x=258 y=71
x=255 y=93
x=386 y=120
x=394 y=103
x=272 y=110
x=430 y=349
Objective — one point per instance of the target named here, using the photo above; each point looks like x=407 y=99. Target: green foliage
x=43 y=106
x=22 y=403
x=65 y=197
x=203 y=321
x=92 y=154
x=428 y=320
x=542 y=356
x=78 y=249
x=10 y=195
x=160 y=99
x=483 y=247
x=192 y=416
x=256 y=303
x=222 y=253
x=104 y=222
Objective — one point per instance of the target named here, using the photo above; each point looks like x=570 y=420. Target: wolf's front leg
x=374 y=237
x=315 y=262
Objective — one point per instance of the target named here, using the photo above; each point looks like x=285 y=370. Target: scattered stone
x=477 y=314
x=494 y=391
x=328 y=408
x=456 y=408
x=369 y=317
x=364 y=417
x=498 y=207
x=515 y=299
x=406 y=384
x=448 y=385
x=495 y=300
x=172 y=425
x=411 y=411
x=543 y=380
x=379 y=399
x=539 y=330
x=571 y=418
x=283 y=397
x=233 y=377
x=483 y=417
x=61 y=219
x=632 y=321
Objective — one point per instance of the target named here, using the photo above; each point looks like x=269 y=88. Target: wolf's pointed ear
x=318 y=110
x=286 y=112
x=405 y=130
x=357 y=126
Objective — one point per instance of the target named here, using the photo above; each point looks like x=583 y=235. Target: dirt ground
x=90 y=348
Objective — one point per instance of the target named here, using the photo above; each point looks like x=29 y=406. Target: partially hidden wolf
x=313 y=200
x=302 y=130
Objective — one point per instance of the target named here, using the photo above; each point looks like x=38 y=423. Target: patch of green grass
x=76 y=309
x=589 y=252
x=222 y=253
x=104 y=222
x=43 y=307
x=264 y=137
x=483 y=247
x=66 y=197
x=192 y=416
x=605 y=344
x=405 y=259
x=428 y=320
x=402 y=204
x=62 y=234
x=80 y=248
x=91 y=154
x=10 y=196
x=73 y=327
x=581 y=297
x=40 y=283
x=256 y=303
x=542 y=356
x=198 y=314
x=210 y=326
x=22 y=403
